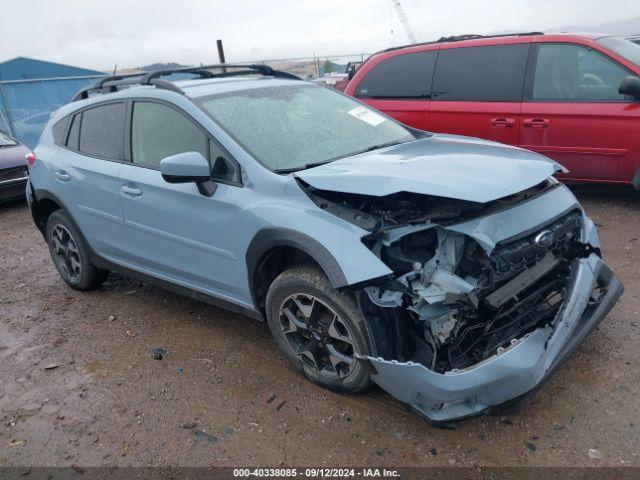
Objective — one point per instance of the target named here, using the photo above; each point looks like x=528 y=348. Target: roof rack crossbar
x=112 y=82
x=204 y=71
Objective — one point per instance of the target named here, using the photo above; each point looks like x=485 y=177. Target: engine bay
x=451 y=302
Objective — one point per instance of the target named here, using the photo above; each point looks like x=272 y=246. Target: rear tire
x=70 y=254
x=320 y=329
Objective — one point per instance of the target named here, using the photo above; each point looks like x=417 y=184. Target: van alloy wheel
x=317 y=334
x=66 y=254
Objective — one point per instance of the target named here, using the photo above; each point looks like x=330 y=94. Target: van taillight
x=31 y=159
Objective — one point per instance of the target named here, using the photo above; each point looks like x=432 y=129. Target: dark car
x=13 y=167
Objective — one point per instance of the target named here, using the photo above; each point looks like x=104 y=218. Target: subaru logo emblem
x=544 y=239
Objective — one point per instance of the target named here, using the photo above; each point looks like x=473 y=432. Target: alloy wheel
x=65 y=253
x=317 y=334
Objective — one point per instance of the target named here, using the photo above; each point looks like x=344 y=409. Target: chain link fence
x=25 y=105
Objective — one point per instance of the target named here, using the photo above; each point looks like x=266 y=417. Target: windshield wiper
x=303 y=167
x=322 y=162
x=375 y=147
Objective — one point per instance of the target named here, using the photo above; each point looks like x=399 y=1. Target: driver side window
x=158 y=131
x=570 y=73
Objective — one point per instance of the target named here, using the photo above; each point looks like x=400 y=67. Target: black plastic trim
x=273 y=237
x=101 y=262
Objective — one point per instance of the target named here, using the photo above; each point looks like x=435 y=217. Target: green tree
x=328 y=67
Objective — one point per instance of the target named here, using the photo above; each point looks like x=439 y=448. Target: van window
x=481 y=74
x=570 y=73
x=102 y=131
x=401 y=76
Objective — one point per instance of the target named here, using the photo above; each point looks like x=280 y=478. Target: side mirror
x=188 y=167
x=185 y=168
x=630 y=86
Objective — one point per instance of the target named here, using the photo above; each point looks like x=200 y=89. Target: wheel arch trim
x=269 y=238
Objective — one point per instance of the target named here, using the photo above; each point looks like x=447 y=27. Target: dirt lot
x=78 y=384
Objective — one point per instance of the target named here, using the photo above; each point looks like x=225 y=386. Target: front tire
x=320 y=329
x=70 y=254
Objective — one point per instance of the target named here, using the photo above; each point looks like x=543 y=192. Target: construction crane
x=404 y=20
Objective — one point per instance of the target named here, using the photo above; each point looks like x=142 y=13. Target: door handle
x=62 y=175
x=131 y=191
x=503 y=122
x=536 y=122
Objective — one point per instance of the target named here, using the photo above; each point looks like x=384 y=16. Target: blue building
x=31 y=89
x=22 y=68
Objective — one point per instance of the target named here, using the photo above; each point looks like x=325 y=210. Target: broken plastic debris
x=594 y=453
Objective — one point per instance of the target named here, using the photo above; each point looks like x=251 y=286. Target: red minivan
x=557 y=94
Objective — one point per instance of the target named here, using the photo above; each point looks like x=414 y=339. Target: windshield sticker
x=367 y=116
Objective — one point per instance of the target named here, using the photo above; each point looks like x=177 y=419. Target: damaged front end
x=486 y=300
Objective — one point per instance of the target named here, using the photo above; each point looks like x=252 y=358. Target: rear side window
x=59 y=131
x=400 y=76
x=158 y=131
x=102 y=131
x=74 y=132
x=481 y=74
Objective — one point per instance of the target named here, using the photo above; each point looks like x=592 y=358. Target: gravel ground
x=78 y=385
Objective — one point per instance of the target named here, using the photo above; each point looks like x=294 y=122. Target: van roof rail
x=112 y=83
x=459 y=38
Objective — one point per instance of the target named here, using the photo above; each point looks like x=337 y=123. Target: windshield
x=623 y=47
x=294 y=126
x=6 y=140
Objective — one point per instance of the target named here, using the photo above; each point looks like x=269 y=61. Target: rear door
x=574 y=114
x=400 y=86
x=86 y=174
x=477 y=90
x=175 y=232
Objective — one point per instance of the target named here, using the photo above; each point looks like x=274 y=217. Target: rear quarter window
x=401 y=76
x=60 y=130
x=492 y=73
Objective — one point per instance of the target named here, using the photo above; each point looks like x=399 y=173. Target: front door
x=574 y=114
x=175 y=232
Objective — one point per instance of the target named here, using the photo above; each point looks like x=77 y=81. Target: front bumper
x=12 y=188
x=513 y=373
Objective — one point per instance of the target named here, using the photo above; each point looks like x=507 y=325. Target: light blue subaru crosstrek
x=455 y=273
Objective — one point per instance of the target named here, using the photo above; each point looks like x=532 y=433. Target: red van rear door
x=477 y=90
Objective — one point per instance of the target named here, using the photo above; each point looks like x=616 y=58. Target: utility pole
x=221 y=54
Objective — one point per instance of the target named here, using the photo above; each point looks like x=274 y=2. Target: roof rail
x=473 y=36
x=112 y=82
x=458 y=38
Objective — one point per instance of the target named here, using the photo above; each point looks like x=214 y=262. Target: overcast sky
x=99 y=34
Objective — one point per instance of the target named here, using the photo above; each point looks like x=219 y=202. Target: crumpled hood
x=441 y=165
